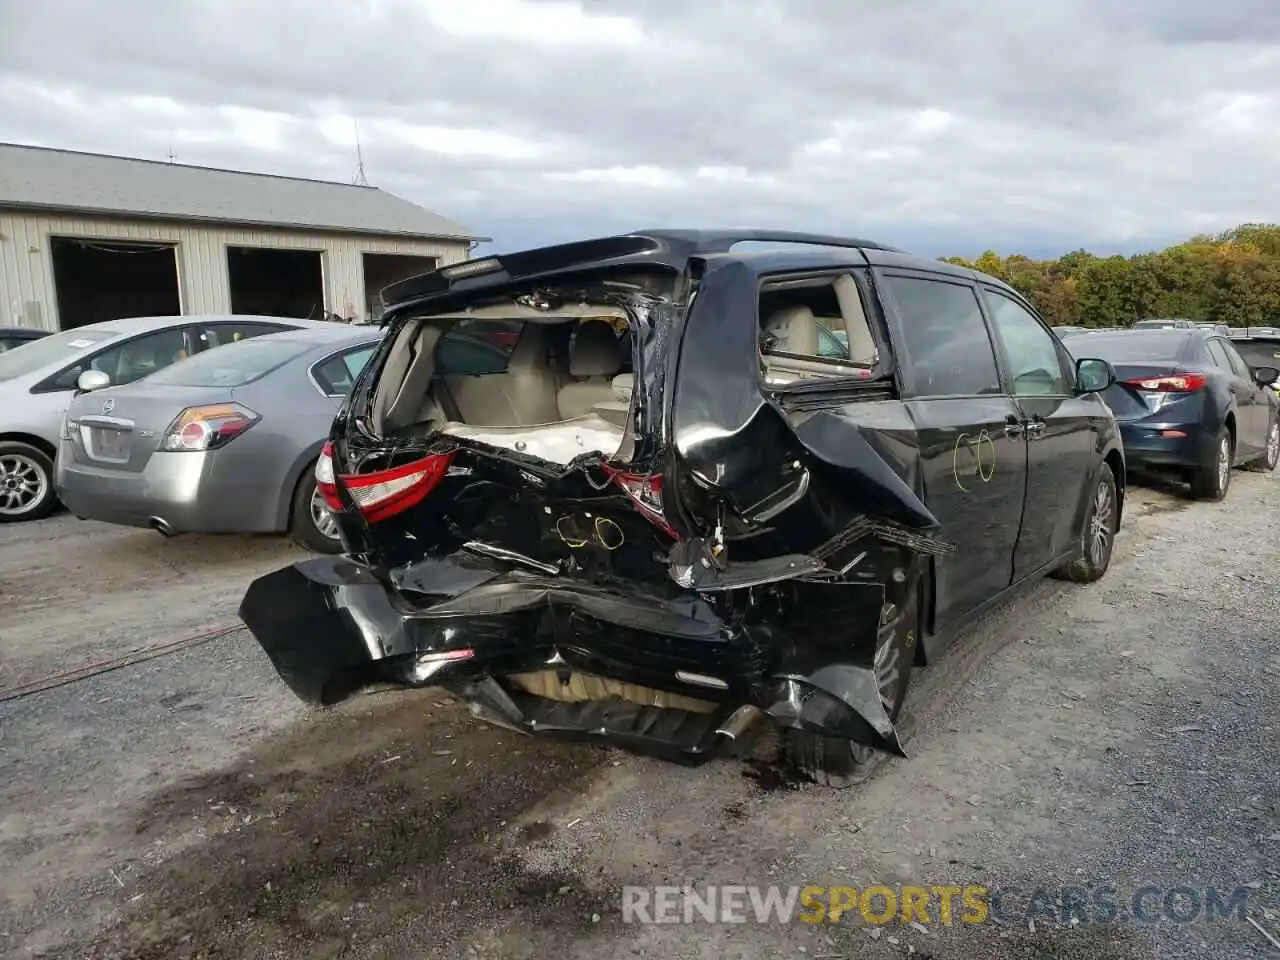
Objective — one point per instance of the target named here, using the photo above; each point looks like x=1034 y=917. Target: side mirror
x=1093 y=376
x=92 y=380
x=1266 y=376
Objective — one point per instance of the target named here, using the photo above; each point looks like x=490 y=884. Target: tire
x=839 y=763
x=304 y=527
x=1097 y=534
x=26 y=483
x=1211 y=480
x=1267 y=462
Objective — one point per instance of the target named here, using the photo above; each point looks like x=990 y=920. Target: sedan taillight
x=1175 y=383
x=207 y=427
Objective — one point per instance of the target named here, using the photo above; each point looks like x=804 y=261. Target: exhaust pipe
x=160 y=526
x=739 y=722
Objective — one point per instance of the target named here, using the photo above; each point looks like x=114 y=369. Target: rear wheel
x=26 y=482
x=1271 y=452
x=1098 y=536
x=312 y=524
x=839 y=763
x=1212 y=478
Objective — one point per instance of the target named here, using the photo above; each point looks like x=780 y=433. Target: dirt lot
x=188 y=806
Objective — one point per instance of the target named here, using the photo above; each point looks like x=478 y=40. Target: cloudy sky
x=945 y=126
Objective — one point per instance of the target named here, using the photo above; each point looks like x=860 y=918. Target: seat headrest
x=796 y=330
x=595 y=351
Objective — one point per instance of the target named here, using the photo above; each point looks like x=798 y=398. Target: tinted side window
x=131 y=360
x=217 y=334
x=1219 y=355
x=948 y=350
x=484 y=352
x=337 y=375
x=1035 y=366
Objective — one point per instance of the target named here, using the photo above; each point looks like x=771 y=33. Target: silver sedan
x=38 y=380
x=224 y=442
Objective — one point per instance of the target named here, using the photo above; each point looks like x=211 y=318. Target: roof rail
x=722 y=241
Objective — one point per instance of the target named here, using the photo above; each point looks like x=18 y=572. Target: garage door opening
x=97 y=280
x=276 y=283
x=381 y=269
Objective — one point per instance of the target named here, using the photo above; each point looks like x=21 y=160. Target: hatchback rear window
x=231 y=366
x=1155 y=345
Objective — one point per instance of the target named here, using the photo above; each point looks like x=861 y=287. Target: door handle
x=1012 y=428
x=1035 y=429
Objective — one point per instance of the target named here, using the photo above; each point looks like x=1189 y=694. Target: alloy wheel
x=888 y=672
x=1224 y=463
x=1100 y=531
x=322 y=517
x=23 y=484
x=1273 y=445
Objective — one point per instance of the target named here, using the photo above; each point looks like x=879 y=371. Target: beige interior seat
x=595 y=357
x=523 y=396
x=796 y=330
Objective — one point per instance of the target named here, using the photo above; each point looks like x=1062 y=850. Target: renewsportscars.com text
x=933 y=904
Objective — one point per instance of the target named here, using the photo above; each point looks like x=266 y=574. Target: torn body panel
x=331 y=626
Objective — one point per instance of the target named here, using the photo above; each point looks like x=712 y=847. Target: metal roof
x=69 y=181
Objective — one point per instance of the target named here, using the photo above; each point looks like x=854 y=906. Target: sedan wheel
x=313 y=525
x=1271 y=452
x=1211 y=481
x=322 y=518
x=26 y=483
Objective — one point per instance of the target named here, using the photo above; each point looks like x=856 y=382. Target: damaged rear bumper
x=330 y=626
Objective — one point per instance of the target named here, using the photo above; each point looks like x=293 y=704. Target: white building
x=86 y=237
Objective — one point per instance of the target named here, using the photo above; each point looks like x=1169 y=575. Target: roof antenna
x=172 y=155
x=360 y=180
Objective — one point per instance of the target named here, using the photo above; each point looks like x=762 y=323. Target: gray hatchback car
x=224 y=442
x=39 y=379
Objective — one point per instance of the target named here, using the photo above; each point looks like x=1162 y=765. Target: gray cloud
x=936 y=124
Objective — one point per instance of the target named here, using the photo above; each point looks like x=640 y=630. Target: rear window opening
x=234 y=365
x=815 y=328
x=553 y=385
x=1259 y=353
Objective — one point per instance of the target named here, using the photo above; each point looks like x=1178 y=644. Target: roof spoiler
x=670 y=249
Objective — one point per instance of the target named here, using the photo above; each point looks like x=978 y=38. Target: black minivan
x=668 y=513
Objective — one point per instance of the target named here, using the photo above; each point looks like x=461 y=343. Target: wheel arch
x=289 y=489
x=31 y=440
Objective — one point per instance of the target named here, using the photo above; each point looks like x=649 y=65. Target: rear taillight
x=645 y=492
x=324 y=478
x=208 y=427
x=1177 y=383
x=383 y=493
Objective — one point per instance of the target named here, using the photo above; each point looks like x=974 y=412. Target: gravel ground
x=1120 y=734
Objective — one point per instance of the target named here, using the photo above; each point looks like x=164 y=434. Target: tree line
x=1232 y=278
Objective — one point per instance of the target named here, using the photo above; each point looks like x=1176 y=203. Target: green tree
x=1231 y=277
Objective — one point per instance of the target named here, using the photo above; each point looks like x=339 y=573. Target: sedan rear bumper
x=330 y=626
x=188 y=492
x=1153 y=443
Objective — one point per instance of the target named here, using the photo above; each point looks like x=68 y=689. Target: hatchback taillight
x=382 y=493
x=645 y=492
